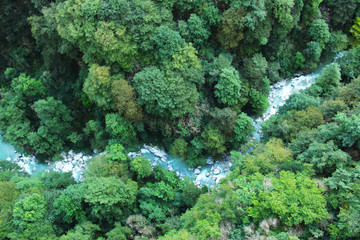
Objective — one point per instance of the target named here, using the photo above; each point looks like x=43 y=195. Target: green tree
x=243 y=129
x=325 y=157
x=27 y=87
x=195 y=30
x=168 y=43
x=349 y=63
x=180 y=235
x=29 y=210
x=347 y=129
x=96 y=134
x=8 y=195
x=355 y=31
x=225 y=119
x=213 y=140
x=119 y=232
x=55 y=127
x=141 y=166
x=350 y=93
x=344 y=197
x=255 y=71
x=330 y=78
x=109 y=198
x=227 y=90
x=82 y=23
x=294 y=199
x=319 y=32
x=258 y=101
x=342 y=18
x=243 y=18
x=203 y=219
x=312 y=53
x=179 y=148
x=285 y=19
x=330 y=108
x=69 y=205
x=119 y=128
x=338 y=41
x=165 y=94
x=98 y=86
x=299 y=101
x=124 y=100
x=83 y=231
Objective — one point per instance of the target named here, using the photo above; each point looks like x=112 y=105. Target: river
x=207 y=175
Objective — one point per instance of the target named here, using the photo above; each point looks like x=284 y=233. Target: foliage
x=213 y=140
x=165 y=94
x=141 y=166
x=330 y=78
x=355 y=30
x=179 y=148
x=325 y=157
x=319 y=32
x=243 y=128
x=29 y=210
x=119 y=128
x=104 y=74
x=294 y=199
x=227 y=90
x=299 y=101
x=98 y=86
x=109 y=198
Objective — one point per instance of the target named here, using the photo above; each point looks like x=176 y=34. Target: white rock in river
x=170 y=168
x=209 y=161
x=144 y=150
x=76 y=169
x=163 y=159
x=78 y=156
x=197 y=171
x=207 y=174
x=58 y=165
x=68 y=167
x=8 y=159
x=217 y=171
x=230 y=164
x=34 y=169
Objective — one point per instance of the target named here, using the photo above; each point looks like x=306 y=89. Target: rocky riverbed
x=72 y=162
x=206 y=175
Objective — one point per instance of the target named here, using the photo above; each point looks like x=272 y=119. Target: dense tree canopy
x=112 y=75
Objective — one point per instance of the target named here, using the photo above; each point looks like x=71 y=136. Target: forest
x=187 y=75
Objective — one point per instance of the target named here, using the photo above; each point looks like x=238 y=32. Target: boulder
x=197 y=171
x=170 y=168
x=34 y=169
x=207 y=174
x=78 y=156
x=8 y=159
x=58 y=165
x=217 y=171
x=209 y=161
x=68 y=167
